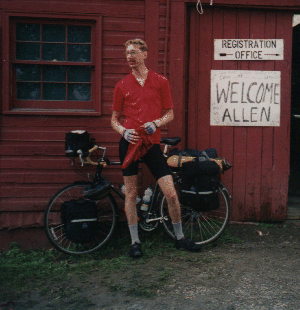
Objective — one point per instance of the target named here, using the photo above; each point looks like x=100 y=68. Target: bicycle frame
x=98 y=176
x=201 y=227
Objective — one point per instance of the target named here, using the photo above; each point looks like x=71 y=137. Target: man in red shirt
x=143 y=95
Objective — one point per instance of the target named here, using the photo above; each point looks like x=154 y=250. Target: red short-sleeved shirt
x=142 y=104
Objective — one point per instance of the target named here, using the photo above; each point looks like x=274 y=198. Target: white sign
x=248 y=49
x=245 y=98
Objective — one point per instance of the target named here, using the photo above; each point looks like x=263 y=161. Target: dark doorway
x=294 y=182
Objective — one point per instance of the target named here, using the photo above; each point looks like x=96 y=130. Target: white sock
x=178 y=230
x=133 y=229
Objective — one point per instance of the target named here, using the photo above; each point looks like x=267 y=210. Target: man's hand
x=150 y=127
x=131 y=136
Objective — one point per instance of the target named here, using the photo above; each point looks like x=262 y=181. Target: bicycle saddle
x=170 y=141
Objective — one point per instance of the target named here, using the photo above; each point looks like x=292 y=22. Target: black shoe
x=135 y=250
x=187 y=245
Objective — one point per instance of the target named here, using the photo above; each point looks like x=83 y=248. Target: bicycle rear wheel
x=107 y=220
x=201 y=227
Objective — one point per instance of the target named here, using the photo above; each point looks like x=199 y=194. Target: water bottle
x=122 y=187
x=146 y=198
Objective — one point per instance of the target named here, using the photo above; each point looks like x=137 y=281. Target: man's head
x=136 y=53
x=139 y=43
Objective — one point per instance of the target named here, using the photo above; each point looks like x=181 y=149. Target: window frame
x=9 y=80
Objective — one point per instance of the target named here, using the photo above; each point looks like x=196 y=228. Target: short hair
x=142 y=44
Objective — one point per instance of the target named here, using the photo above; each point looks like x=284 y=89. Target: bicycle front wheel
x=201 y=227
x=54 y=228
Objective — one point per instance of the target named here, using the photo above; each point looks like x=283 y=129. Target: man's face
x=135 y=57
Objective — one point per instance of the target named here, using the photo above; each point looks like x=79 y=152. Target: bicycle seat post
x=166 y=149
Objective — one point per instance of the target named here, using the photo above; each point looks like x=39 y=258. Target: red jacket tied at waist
x=138 y=150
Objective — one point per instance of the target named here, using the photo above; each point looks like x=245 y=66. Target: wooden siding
x=32 y=162
x=260 y=155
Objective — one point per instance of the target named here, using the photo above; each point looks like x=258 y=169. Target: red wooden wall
x=32 y=159
x=258 y=181
x=33 y=165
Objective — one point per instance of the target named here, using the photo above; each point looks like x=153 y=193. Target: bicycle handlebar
x=88 y=161
x=168 y=142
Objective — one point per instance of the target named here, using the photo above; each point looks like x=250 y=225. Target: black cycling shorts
x=154 y=159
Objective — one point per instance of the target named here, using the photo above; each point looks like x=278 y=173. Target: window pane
x=28 y=91
x=54 y=73
x=27 y=51
x=79 y=74
x=28 y=72
x=53 y=52
x=54 y=33
x=28 y=32
x=79 y=92
x=79 y=34
x=54 y=91
x=80 y=53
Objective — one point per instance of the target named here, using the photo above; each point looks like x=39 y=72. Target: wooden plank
x=217 y=33
x=120 y=24
x=279 y=4
x=177 y=69
x=240 y=138
x=108 y=8
x=58 y=134
x=192 y=115
x=152 y=22
x=254 y=137
x=282 y=134
x=23 y=204
x=227 y=138
x=47 y=149
x=205 y=53
x=55 y=123
x=268 y=134
x=53 y=176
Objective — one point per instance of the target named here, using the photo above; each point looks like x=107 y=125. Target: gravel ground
x=257 y=269
x=256 y=274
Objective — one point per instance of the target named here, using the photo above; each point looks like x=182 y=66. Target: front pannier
x=200 y=183
x=80 y=219
x=77 y=140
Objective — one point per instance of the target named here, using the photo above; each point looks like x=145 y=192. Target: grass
x=54 y=277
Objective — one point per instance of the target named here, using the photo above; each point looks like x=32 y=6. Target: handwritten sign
x=245 y=98
x=248 y=49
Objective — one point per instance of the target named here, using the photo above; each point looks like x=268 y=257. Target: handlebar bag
x=77 y=140
x=80 y=220
x=200 y=183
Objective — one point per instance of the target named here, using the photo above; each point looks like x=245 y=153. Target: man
x=143 y=95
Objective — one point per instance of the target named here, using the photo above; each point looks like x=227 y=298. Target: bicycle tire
x=107 y=220
x=201 y=227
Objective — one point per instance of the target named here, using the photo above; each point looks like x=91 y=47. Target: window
x=54 y=65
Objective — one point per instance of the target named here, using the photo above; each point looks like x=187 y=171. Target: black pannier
x=207 y=153
x=200 y=183
x=77 y=140
x=80 y=219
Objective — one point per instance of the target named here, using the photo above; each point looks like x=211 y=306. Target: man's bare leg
x=167 y=186
x=131 y=191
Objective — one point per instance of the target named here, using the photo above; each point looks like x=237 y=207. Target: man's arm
x=129 y=134
x=115 y=122
x=165 y=119
x=151 y=127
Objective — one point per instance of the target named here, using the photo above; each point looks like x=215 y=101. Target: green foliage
x=48 y=273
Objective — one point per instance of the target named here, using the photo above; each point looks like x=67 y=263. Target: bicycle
x=201 y=227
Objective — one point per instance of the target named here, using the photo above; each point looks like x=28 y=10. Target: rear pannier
x=200 y=183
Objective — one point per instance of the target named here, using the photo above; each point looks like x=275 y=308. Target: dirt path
x=259 y=270
x=245 y=276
